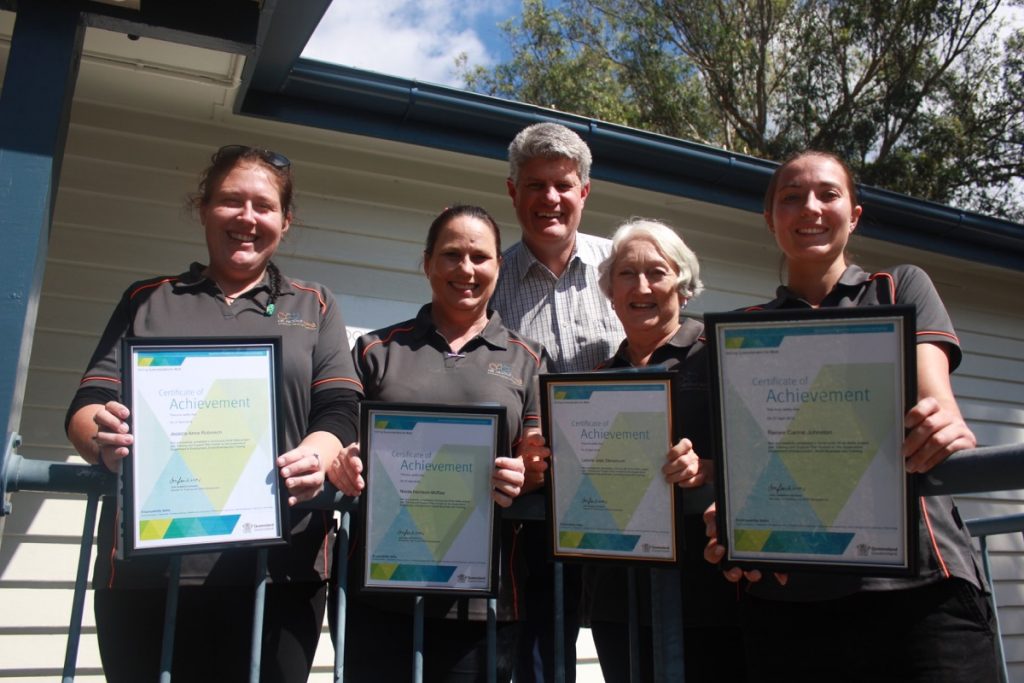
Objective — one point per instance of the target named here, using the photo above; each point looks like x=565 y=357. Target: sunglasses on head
x=278 y=161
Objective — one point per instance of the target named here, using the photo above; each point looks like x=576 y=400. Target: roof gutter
x=365 y=103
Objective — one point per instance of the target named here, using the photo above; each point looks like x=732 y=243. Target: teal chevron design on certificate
x=615 y=482
x=412 y=573
x=205 y=462
x=428 y=518
x=595 y=541
x=793 y=486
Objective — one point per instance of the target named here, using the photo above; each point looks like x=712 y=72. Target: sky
x=413 y=39
x=420 y=39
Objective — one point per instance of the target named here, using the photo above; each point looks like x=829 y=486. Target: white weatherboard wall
x=137 y=142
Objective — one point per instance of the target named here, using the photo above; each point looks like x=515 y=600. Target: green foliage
x=920 y=96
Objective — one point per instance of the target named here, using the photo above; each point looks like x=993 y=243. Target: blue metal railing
x=979 y=470
x=982 y=529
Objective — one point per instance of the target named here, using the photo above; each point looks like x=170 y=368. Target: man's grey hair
x=667 y=242
x=549 y=141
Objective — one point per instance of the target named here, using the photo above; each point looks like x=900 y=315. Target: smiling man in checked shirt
x=548 y=291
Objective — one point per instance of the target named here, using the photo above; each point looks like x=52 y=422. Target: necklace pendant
x=270 y=310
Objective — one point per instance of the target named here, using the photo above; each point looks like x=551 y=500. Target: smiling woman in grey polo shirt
x=244 y=204
x=456 y=351
x=936 y=625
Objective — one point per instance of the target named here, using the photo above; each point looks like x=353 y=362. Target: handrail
x=994 y=526
x=990 y=468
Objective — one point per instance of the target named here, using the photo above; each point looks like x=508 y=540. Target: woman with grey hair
x=649 y=276
x=667 y=243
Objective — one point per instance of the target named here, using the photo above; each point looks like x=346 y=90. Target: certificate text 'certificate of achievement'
x=204 y=417
x=609 y=433
x=430 y=521
x=810 y=409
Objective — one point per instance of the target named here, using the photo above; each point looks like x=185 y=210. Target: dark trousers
x=213 y=634
x=379 y=648
x=535 y=660
x=940 y=633
x=710 y=654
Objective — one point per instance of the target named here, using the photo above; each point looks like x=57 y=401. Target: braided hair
x=275 y=289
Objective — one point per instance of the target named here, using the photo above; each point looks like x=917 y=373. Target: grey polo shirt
x=315 y=358
x=568 y=315
x=412 y=362
x=944 y=547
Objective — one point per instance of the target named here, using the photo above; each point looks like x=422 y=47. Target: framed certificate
x=809 y=407
x=430 y=523
x=201 y=475
x=607 y=495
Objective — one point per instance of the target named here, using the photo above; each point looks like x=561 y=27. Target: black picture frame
x=179 y=438
x=776 y=462
x=421 y=575
x=572 y=492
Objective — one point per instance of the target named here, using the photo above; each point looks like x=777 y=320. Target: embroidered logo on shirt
x=293 y=320
x=504 y=370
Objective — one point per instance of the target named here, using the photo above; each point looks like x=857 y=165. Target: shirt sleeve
x=102 y=379
x=367 y=364
x=531 y=404
x=332 y=362
x=335 y=411
x=913 y=286
x=336 y=389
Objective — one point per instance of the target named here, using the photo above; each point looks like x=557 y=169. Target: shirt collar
x=195 y=277
x=494 y=333
x=854 y=276
x=523 y=259
x=687 y=335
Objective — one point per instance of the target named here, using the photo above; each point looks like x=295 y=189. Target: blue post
x=559 y=623
x=633 y=623
x=81 y=579
x=417 y=641
x=35 y=106
x=259 y=603
x=341 y=599
x=492 y=640
x=667 y=625
x=987 y=568
x=170 y=618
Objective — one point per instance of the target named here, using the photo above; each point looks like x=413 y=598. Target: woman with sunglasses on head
x=245 y=206
x=938 y=624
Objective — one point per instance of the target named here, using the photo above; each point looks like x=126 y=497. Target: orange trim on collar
x=151 y=285
x=536 y=358
x=323 y=304
x=387 y=339
x=892 y=284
